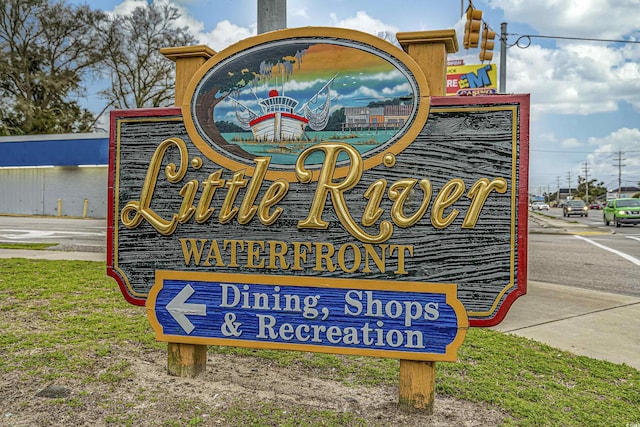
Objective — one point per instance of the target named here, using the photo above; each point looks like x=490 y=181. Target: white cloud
x=571 y=143
x=362 y=22
x=127 y=6
x=224 y=34
x=576 y=18
x=571 y=76
x=616 y=153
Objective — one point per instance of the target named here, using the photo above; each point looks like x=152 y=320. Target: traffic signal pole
x=502 y=84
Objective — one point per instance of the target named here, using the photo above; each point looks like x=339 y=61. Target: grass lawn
x=66 y=322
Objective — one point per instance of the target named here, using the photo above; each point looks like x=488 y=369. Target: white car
x=539 y=206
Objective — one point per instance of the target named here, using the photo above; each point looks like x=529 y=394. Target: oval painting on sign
x=277 y=94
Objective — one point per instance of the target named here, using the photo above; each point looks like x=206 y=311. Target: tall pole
x=503 y=58
x=272 y=15
x=619 y=165
x=586 y=180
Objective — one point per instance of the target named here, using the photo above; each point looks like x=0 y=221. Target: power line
x=580 y=152
x=528 y=38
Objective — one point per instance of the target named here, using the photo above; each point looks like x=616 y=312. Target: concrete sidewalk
x=590 y=323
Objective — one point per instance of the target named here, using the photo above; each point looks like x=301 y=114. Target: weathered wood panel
x=466 y=142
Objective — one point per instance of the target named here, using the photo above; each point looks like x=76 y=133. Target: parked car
x=539 y=206
x=622 y=211
x=575 y=207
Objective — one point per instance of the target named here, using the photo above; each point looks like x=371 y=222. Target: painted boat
x=279 y=121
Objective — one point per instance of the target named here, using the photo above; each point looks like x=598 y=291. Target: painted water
x=287 y=152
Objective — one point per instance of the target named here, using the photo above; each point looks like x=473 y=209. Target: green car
x=622 y=211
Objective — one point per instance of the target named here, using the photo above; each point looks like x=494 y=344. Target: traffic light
x=486 y=47
x=472 y=28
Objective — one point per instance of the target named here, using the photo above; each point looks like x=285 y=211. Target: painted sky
x=585 y=94
x=359 y=78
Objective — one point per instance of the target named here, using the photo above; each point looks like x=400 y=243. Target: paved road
x=88 y=235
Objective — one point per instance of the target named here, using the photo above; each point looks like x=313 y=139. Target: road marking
x=633 y=237
x=628 y=257
x=590 y=233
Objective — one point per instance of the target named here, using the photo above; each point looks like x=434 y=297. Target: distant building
x=57 y=175
x=622 y=192
x=396 y=116
x=356 y=117
x=371 y=118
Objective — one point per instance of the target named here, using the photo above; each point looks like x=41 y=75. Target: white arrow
x=178 y=308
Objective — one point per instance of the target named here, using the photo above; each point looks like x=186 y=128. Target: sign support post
x=416 y=390
x=186 y=360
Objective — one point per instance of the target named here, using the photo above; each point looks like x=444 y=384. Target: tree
x=140 y=75
x=596 y=189
x=336 y=120
x=46 y=49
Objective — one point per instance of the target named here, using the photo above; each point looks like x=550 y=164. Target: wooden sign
x=417 y=321
x=317 y=161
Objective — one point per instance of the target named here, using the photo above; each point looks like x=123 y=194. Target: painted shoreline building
x=54 y=175
x=372 y=118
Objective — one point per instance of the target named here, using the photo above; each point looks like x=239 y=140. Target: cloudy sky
x=585 y=95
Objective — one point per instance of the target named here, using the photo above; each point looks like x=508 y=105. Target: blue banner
x=358 y=316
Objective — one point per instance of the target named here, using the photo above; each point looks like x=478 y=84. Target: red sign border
x=522 y=232
x=439 y=101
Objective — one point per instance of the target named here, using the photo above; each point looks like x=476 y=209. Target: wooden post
x=417 y=385
x=429 y=49
x=188 y=60
x=186 y=360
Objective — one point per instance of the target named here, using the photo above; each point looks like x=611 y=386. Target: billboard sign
x=472 y=80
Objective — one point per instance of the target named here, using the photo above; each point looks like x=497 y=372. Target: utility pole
x=569 y=182
x=558 y=194
x=503 y=59
x=272 y=15
x=619 y=165
x=586 y=180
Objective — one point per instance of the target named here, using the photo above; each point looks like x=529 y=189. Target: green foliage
x=262 y=414
x=596 y=189
x=47 y=48
x=336 y=120
x=228 y=127
x=30 y=246
x=394 y=101
x=540 y=385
